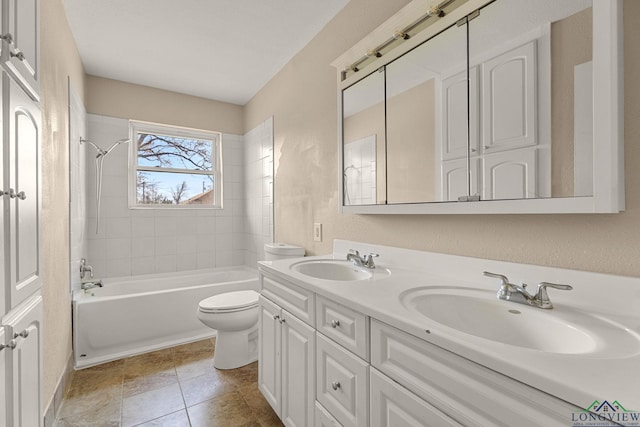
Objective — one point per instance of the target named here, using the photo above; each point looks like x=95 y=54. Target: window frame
x=136 y=127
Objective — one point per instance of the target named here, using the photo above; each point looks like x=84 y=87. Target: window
x=173 y=167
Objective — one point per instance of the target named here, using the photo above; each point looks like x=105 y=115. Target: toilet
x=234 y=315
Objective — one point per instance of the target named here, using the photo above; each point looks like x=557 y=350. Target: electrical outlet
x=317 y=232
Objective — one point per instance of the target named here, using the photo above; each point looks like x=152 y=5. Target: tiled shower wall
x=140 y=241
x=258 y=181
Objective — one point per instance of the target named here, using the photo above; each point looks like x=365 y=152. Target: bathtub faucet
x=89 y=285
x=84 y=269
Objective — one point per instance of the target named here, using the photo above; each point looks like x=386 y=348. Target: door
x=26 y=366
x=298 y=371
x=4 y=356
x=22 y=55
x=22 y=134
x=459 y=178
x=269 y=343
x=459 y=115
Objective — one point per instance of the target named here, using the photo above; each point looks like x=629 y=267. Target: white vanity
x=421 y=339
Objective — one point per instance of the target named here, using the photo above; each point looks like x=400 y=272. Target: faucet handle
x=505 y=279
x=368 y=260
x=543 y=298
x=354 y=252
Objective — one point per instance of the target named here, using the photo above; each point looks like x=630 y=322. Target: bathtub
x=138 y=314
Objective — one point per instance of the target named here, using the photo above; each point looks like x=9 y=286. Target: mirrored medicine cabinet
x=487 y=108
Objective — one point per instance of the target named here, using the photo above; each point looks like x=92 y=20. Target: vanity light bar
x=437 y=11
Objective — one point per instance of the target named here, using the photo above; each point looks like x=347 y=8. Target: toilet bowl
x=234 y=315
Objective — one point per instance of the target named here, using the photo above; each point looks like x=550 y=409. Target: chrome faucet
x=510 y=292
x=89 y=285
x=84 y=269
x=362 y=261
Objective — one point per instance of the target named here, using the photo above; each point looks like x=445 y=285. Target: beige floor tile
x=176 y=419
x=242 y=376
x=195 y=367
x=204 y=387
x=229 y=410
x=256 y=401
x=152 y=404
x=86 y=399
x=95 y=415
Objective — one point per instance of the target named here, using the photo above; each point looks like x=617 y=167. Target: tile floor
x=174 y=387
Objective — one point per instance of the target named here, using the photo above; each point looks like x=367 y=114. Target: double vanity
x=420 y=338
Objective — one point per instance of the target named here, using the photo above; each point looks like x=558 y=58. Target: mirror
x=426 y=114
x=499 y=109
x=363 y=133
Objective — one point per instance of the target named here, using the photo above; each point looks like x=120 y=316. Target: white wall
x=258 y=180
x=141 y=241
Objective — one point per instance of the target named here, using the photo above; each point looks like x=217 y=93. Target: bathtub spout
x=89 y=285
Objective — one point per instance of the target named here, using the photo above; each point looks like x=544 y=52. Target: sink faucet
x=362 y=261
x=89 y=285
x=510 y=292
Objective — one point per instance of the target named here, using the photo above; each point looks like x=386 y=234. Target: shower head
x=102 y=152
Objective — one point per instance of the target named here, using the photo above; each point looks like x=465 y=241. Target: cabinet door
x=510 y=175
x=269 y=344
x=458 y=178
x=459 y=114
x=22 y=119
x=26 y=364
x=324 y=418
x=298 y=371
x=509 y=118
x=22 y=56
x=394 y=406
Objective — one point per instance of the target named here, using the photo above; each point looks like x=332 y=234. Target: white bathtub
x=138 y=314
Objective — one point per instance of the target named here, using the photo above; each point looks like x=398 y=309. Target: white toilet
x=234 y=315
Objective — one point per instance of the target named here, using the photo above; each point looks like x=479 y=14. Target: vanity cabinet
x=286 y=375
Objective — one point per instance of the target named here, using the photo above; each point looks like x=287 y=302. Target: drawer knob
x=335 y=323
x=335 y=385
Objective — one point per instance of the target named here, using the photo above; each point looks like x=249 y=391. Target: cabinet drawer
x=296 y=300
x=469 y=393
x=348 y=328
x=342 y=384
x=324 y=418
x=393 y=405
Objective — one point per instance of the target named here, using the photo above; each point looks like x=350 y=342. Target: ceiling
x=225 y=50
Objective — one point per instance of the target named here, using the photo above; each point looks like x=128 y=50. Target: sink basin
x=337 y=270
x=559 y=330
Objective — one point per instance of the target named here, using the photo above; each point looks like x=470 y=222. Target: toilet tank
x=275 y=251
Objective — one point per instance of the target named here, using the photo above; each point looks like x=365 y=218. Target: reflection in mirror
x=427 y=121
x=536 y=110
x=363 y=131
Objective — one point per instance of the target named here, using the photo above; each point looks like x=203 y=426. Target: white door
x=22 y=118
x=455 y=141
x=22 y=56
x=269 y=344
x=509 y=84
x=4 y=357
x=510 y=175
x=298 y=371
x=26 y=366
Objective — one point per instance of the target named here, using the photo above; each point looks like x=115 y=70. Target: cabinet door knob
x=335 y=385
x=12 y=344
x=276 y=317
x=12 y=193
x=282 y=320
x=17 y=54
x=8 y=38
x=22 y=334
x=335 y=323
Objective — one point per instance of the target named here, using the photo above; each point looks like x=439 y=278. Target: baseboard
x=53 y=407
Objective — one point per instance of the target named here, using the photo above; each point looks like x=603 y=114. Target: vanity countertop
x=579 y=378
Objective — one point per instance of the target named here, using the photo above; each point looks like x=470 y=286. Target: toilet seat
x=229 y=302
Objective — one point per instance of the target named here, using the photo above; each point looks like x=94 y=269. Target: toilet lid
x=230 y=301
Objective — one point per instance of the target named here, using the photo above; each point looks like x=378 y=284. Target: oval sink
x=337 y=270
x=559 y=330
